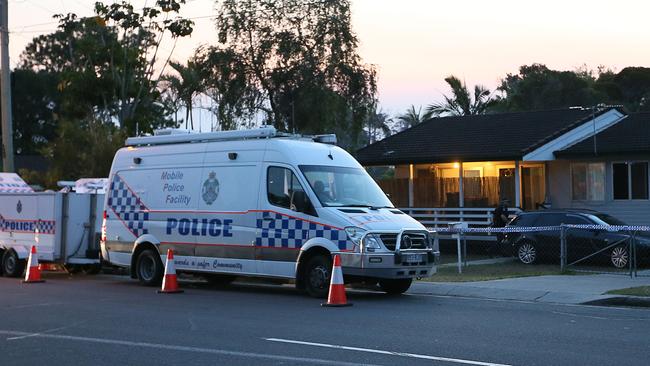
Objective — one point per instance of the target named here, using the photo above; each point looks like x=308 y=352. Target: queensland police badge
x=210 y=190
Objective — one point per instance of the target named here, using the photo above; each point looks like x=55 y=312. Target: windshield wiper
x=366 y=206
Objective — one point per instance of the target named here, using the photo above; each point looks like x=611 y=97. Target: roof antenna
x=593 y=119
x=329 y=155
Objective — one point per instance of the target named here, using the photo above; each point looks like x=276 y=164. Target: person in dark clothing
x=500 y=214
x=499 y=219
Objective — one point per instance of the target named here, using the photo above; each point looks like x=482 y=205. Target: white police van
x=257 y=203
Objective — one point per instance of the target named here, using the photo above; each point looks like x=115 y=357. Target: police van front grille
x=409 y=241
x=389 y=240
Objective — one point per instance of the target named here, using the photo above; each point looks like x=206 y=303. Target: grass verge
x=486 y=272
x=632 y=291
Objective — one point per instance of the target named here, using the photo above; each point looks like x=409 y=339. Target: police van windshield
x=344 y=187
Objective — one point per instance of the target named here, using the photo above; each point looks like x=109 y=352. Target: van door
x=173 y=200
x=227 y=215
x=127 y=216
x=285 y=220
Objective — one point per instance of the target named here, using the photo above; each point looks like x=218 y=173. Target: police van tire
x=317 y=275
x=149 y=268
x=395 y=286
x=12 y=266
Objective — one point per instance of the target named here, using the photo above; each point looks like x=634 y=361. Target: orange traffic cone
x=337 y=287
x=170 y=283
x=33 y=274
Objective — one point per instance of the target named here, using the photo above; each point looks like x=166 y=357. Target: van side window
x=284 y=190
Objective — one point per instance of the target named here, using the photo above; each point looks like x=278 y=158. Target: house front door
x=533 y=190
x=507 y=184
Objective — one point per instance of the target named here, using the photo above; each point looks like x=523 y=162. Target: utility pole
x=5 y=90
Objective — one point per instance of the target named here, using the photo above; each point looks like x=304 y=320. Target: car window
x=550 y=219
x=280 y=185
x=575 y=220
x=523 y=220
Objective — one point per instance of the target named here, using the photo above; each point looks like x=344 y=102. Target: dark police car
x=611 y=246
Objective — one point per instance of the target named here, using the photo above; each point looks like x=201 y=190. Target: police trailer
x=64 y=226
x=257 y=203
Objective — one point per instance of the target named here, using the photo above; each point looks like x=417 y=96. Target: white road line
x=28 y=335
x=401 y=354
x=35 y=305
x=171 y=347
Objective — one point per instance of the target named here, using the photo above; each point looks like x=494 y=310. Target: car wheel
x=318 y=274
x=149 y=268
x=12 y=266
x=395 y=286
x=527 y=253
x=619 y=257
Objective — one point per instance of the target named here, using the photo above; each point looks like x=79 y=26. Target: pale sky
x=415 y=44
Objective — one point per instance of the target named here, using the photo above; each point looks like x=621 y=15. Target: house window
x=630 y=180
x=588 y=181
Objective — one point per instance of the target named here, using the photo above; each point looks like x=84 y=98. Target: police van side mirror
x=300 y=203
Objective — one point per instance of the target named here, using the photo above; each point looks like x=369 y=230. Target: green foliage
x=413 y=117
x=379 y=125
x=536 y=87
x=185 y=85
x=106 y=63
x=35 y=105
x=296 y=63
x=225 y=82
x=631 y=87
x=462 y=102
x=83 y=149
x=102 y=68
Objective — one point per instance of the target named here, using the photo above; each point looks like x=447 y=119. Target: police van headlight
x=358 y=236
x=370 y=243
x=355 y=234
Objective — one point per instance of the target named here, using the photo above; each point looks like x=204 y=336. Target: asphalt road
x=111 y=320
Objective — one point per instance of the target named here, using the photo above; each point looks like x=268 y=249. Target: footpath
x=557 y=289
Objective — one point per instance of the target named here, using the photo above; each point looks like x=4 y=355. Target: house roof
x=503 y=136
x=629 y=136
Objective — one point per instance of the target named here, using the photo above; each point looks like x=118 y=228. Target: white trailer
x=65 y=227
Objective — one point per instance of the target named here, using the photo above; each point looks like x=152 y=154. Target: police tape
x=611 y=227
x=489 y=230
x=530 y=229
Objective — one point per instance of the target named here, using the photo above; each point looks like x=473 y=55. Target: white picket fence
x=441 y=217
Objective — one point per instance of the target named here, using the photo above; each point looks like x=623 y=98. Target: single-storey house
x=458 y=168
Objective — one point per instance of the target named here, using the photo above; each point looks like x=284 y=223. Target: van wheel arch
x=303 y=259
x=136 y=253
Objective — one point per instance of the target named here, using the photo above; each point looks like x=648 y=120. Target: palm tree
x=378 y=125
x=462 y=103
x=413 y=117
x=186 y=85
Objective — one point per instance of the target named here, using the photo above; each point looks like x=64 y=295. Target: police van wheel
x=12 y=266
x=317 y=276
x=149 y=268
x=396 y=286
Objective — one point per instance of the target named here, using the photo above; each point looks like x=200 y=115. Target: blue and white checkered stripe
x=282 y=231
x=45 y=226
x=128 y=206
x=15 y=188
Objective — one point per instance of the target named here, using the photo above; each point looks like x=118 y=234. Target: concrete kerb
x=492 y=290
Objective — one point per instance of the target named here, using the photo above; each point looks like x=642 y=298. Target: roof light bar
x=173 y=138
